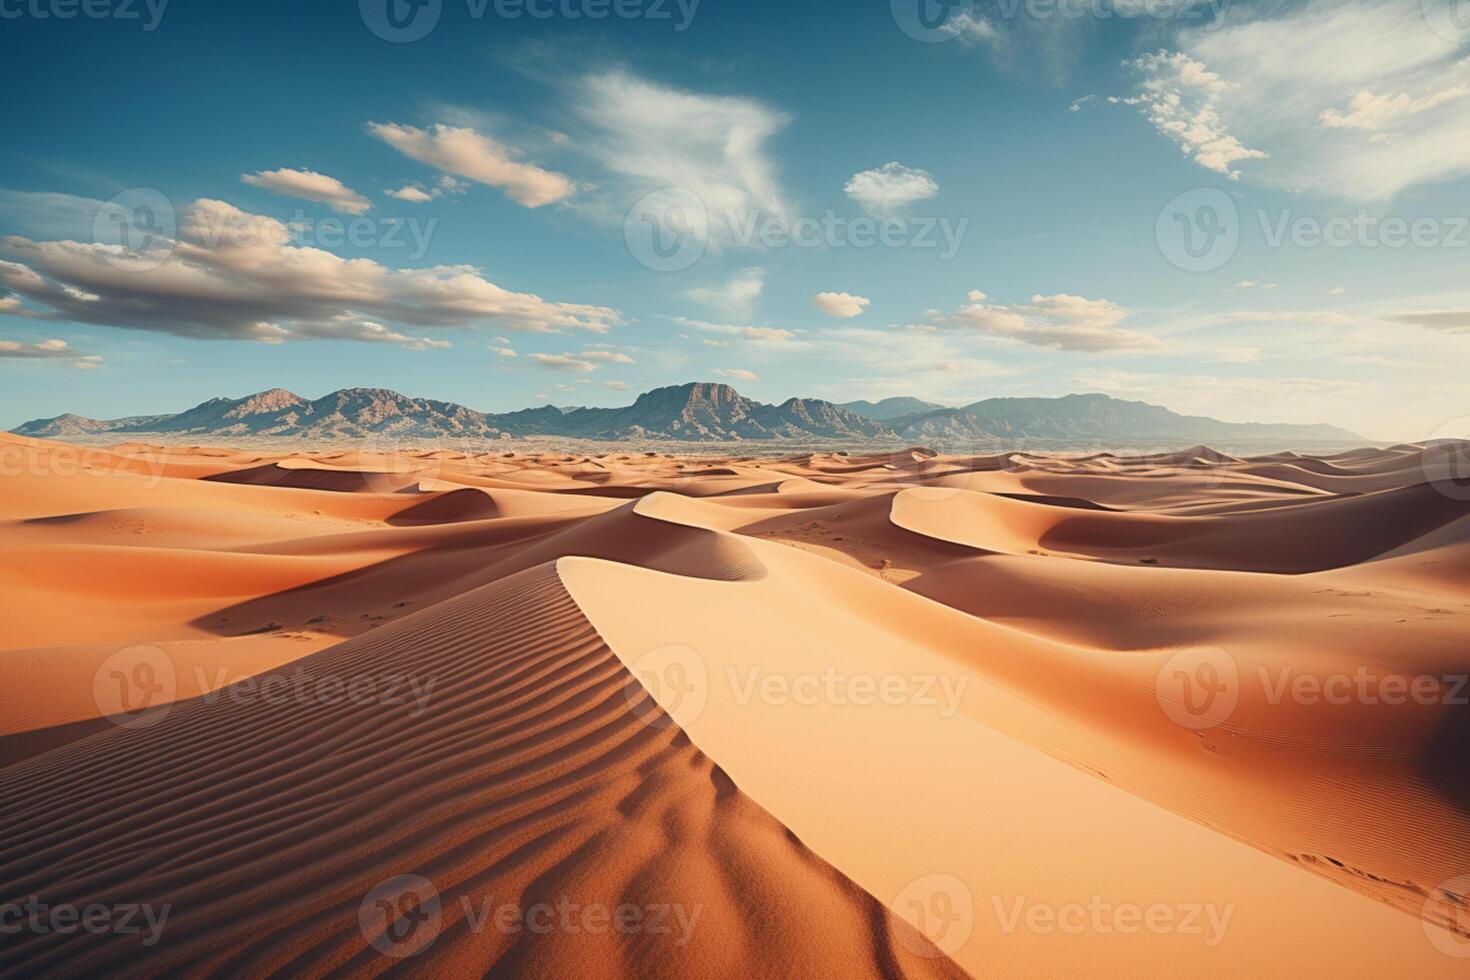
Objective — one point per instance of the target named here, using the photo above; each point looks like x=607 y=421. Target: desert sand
x=622 y=714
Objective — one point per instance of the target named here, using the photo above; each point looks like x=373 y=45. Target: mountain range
x=701 y=412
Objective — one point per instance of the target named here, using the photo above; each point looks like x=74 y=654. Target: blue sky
x=201 y=199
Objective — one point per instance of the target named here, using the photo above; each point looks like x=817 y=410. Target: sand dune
x=521 y=770
x=695 y=686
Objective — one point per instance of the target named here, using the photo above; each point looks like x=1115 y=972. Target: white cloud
x=351 y=327
x=1374 y=112
x=843 y=305
x=49 y=350
x=310 y=186
x=1180 y=96
x=736 y=298
x=758 y=335
x=739 y=374
x=1276 y=85
x=503 y=351
x=235 y=275
x=462 y=151
x=588 y=360
x=563 y=362
x=414 y=195
x=1061 y=322
x=418 y=194
x=652 y=136
x=891 y=188
x=971 y=28
x=615 y=385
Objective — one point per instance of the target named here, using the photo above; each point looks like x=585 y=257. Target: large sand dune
x=825 y=715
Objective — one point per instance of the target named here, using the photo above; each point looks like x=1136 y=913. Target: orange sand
x=821 y=707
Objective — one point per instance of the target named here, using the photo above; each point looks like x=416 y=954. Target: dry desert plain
x=621 y=714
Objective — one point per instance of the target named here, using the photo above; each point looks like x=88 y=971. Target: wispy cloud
x=467 y=153
x=1061 y=322
x=651 y=136
x=310 y=186
x=735 y=298
x=49 y=350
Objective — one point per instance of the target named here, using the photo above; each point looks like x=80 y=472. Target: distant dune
x=822 y=715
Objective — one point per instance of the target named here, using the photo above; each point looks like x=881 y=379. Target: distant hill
x=891 y=408
x=703 y=412
x=1100 y=418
